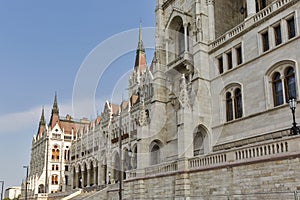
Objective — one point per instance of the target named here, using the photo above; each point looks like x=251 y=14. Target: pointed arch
x=155 y=152
x=201 y=140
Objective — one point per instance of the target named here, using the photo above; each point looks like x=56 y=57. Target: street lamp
x=293 y=103
x=2 y=183
x=26 y=181
x=109 y=177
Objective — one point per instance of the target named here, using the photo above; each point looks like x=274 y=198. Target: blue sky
x=43 y=45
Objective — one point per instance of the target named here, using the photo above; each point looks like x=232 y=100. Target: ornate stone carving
x=183 y=96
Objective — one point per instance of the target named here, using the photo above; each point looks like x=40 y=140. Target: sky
x=50 y=46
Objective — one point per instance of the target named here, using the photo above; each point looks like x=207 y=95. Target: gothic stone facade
x=209 y=119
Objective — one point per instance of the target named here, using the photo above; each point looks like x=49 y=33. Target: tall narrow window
x=291 y=27
x=265 y=41
x=229 y=107
x=54 y=180
x=239 y=57
x=155 y=155
x=278 y=38
x=181 y=40
x=277 y=89
x=198 y=143
x=220 y=64
x=260 y=4
x=238 y=103
x=229 y=60
x=290 y=83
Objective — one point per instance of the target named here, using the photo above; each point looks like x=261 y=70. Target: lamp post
x=26 y=181
x=120 y=161
x=293 y=103
x=109 y=174
x=2 y=187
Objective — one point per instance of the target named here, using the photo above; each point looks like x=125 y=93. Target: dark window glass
x=220 y=63
x=290 y=83
x=239 y=56
x=260 y=4
x=278 y=38
x=277 y=90
x=238 y=103
x=265 y=41
x=229 y=60
x=291 y=28
x=229 y=107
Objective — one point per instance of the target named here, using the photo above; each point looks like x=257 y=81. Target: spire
x=42 y=120
x=55 y=109
x=141 y=44
x=140 y=60
x=55 y=113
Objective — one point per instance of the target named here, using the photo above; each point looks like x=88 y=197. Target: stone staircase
x=92 y=193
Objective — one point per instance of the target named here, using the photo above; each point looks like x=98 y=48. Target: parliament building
x=211 y=117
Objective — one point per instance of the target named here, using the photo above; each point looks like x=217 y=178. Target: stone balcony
x=252 y=21
x=269 y=150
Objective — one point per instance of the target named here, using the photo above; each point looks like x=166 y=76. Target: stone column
x=251 y=8
x=101 y=175
x=95 y=175
x=88 y=183
x=83 y=178
x=76 y=180
x=283 y=88
x=167 y=50
x=185 y=26
x=211 y=18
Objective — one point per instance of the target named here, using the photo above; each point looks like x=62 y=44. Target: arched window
x=198 y=143
x=277 y=89
x=290 y=83
x=238 y=103
x=55 y=153
x=229 y=107
x=155 y=155
x=234 y=102
x=201 y=141
x=54 y=180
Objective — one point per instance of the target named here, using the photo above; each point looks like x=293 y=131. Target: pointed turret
x=55 y=109
x=42 y=120
x=140 y=60
x=42 y=125
x=55 y=113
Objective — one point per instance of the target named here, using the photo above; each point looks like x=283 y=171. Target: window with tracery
x=55 y=153
x=234 y=103
x=284 y=86
x=54 y=180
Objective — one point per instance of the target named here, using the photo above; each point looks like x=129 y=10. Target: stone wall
x=272 y=179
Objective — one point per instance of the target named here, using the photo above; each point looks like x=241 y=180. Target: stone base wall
x=272 y=179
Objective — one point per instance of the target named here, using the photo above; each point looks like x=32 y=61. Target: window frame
x=265 y=40
x=290 y=34
x=277 y=29
x=233 y=103
x=239 y=54
x=280 y=67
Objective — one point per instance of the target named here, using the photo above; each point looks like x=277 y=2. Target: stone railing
x=207 y=160
x=250 y=21
x=161 y=168
x=269 y=149
x=263 y=150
